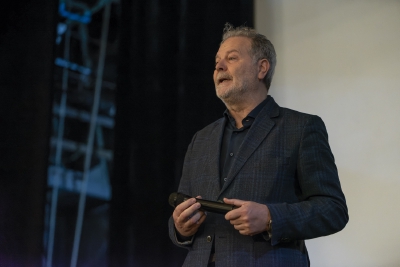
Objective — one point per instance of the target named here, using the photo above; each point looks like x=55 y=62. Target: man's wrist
x=183 y=240
x=181 y=237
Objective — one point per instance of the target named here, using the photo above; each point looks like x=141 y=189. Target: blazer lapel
x=262 y=125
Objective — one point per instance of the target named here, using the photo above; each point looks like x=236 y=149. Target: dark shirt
x=233 y=139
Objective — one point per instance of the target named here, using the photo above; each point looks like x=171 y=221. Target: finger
x=182 y=207
x=232 y=215
x=243 y=229
x=235 y=213
x=188 y=227
x=180 y=216
x=202 y=218
x=194 y=217
x=239 y=227
x=191 y=226
x=185 y=204
x=197 y=218
x=189 y=212
x=233 y=201
x=244 y=232
x=235 y=222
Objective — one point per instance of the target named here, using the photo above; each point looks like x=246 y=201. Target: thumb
x=232 y=201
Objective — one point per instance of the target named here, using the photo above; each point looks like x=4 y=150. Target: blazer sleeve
x=184 y=187
x=322 y=207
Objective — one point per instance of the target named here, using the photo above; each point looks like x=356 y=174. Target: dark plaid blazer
x=284 y=162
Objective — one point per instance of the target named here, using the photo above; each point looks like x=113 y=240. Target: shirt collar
x=248 y=120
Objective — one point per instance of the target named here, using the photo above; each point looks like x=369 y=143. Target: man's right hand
x=188 y=218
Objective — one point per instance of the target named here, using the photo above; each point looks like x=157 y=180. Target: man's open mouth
x=223 y=79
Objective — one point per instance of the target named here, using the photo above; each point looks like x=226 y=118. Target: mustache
x=223 y=76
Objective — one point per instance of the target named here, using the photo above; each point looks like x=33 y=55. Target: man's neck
x=239 y=111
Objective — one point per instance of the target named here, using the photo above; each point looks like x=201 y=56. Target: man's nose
x=221 y=65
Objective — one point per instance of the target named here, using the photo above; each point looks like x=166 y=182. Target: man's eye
x=232 y=58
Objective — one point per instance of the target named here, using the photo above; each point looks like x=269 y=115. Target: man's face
x=235 y=72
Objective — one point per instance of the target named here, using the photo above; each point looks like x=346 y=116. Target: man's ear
x=263 y=67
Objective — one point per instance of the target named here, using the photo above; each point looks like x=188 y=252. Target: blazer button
x=209 y=238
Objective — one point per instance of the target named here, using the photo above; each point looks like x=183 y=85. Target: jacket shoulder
x=291 y=115
x=209 y=129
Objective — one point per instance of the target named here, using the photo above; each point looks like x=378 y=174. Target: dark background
x=164 y=94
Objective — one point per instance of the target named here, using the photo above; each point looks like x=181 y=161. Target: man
x=273 y=163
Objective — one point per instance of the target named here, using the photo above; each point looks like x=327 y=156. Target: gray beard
x=235 y=95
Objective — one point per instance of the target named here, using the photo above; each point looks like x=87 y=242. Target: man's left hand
x=250 y=218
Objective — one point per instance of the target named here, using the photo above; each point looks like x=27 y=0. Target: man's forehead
x=239 y=44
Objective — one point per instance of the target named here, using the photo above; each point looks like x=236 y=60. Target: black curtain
x=27 y=34
x=165 y=94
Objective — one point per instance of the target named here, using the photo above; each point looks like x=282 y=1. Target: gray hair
x=261 y=47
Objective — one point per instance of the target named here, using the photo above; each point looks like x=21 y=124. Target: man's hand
x=187 y=217
x=250 y=218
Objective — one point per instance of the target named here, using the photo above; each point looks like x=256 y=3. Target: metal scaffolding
x=80 y=153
